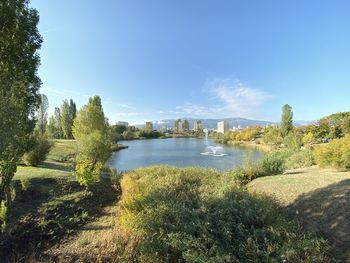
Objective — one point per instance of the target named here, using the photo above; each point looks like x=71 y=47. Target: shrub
x=293 y=141
x=274 y=163
x=300 y=159
x=271 y=164
x=336 y=153
x=196 y=215
x=88 y=172
x=272 y=135
x=115 y=176
x=3 y=212
x=308 y=138
x=25 y=182
x=39 y=152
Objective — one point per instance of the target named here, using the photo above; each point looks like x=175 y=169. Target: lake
x=180 y=152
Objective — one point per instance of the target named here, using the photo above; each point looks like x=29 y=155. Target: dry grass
x=318 y=197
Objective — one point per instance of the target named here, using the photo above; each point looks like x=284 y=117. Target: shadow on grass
x=57 y=166
x=50 y=210
x=328 y=210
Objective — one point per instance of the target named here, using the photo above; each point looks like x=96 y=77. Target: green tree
x=272 y=135
x=19 y=86
x=286 y=120
x=58 y=123
x=68 y=113
x=42 y=114
x=51 y=127
x=91 y=130
x=65 y=120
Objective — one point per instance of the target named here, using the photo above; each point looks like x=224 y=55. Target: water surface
x=179 y=152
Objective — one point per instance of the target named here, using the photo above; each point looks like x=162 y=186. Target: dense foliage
x=121 y=132
x=92 y=133
x=39 y=151
x=197 y=215
x=19 y=86
x=61 y=123
x=286 y=120
x=336 y=153
x=88 y=172
x=271 y=164
x=42 y=114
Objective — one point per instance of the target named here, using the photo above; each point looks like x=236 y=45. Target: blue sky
x=152 y=60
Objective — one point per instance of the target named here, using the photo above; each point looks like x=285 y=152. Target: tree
x=286 y=120
x=19 y=85
x=272 y=135
x=120 y=128
x=42 y=114
x=58 y=123
x=68 y=113
x=91 y=130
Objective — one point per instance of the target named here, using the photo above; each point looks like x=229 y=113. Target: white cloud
x=196 y=110
x=234 y=99
x=239 y=99
x=124 y=114
x=126 y=106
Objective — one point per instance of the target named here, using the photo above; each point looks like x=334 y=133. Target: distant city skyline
x=160 y=60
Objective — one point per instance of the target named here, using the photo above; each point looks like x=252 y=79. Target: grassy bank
x=165 y=214
x=318 y=197
x=198 y=215
x=50 y=206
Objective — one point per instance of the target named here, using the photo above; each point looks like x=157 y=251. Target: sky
x=160 y=59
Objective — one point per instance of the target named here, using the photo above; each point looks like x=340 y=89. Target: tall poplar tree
x=286 y=120
x=42 y=114
x=19 y=85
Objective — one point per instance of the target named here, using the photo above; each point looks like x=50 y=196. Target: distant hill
x=209 y=123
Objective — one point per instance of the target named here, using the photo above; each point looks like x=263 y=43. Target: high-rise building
x=149 y=125
x=222 y=127
x=185 y=126
x=123 y=123
x=197 y=126
x=178 y=126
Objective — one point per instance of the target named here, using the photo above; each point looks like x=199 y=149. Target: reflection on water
x=180 y=152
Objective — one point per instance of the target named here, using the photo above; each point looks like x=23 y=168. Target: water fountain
x=216 y=151
x=210 y=150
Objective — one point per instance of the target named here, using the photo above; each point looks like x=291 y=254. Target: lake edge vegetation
x=166 y=214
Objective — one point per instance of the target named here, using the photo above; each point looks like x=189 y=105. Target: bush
x=293 y=141
x=300 y=159
x=274 y=163
x=88 y=172
x=197 y=215
x=3 y=213
x=25 y=182
x=271 y=164
x=272 y=135
x=115 y=176
x=335 y=154
x=39 y=152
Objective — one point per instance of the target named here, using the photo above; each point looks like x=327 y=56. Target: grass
x=318 y=197
x=64 y=151
x=174 y=214
x=52 y=206
x=198 y=215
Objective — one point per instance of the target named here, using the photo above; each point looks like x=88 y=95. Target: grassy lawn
x=318 y=197
x=63 y=151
